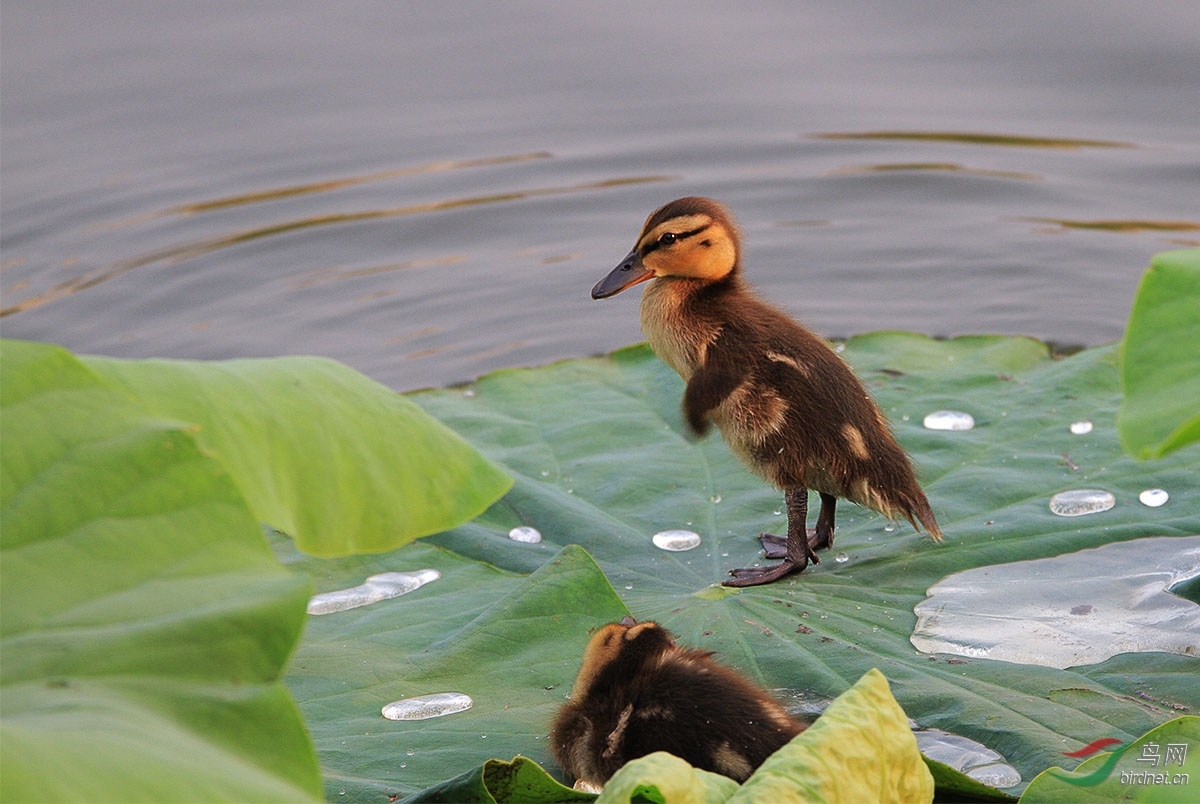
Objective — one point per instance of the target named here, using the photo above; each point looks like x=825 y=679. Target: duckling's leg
x=822 y=538
x=819 y=538
x=798 y=552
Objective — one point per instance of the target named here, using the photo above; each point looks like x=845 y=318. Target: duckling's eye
x=667 y=238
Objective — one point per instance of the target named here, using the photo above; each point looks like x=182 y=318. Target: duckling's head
x=621 y=646
x=691 y=237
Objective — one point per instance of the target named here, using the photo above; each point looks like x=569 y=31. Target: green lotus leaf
x=661 y=778
x=1160 y=364
x=144 y=622
x=521 y=781
x=319 y=451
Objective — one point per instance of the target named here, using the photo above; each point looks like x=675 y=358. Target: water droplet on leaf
x=423 y=707
x=525 y=534
x=384 y=586
x=949 y=420
x=1153 y=497
x=1078 y=502
x=967 y=756
x=676 y=540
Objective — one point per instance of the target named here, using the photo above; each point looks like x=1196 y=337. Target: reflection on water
x=187 y=251
x=1122 y=225
x=976 y=138
x=350 y=181
x=948 y=167
x=1069 y=610
x=335 y=273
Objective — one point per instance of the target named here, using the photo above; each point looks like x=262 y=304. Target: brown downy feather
x=787 y=405
x=639 y=692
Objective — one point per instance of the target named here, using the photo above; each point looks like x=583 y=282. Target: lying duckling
x=638 y=692
x=787 y=405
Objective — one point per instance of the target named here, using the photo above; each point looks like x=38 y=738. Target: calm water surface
x=429 y=191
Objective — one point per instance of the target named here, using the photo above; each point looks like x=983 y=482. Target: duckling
x=786 y=404
x=639 y=692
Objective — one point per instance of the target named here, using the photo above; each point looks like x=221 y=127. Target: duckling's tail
x=911 y=503
x=919 y=510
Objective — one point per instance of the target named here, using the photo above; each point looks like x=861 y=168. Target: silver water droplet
x=384 y=586
x=525 y=534
x=842 y=558
x=1081 y=427
x=967 y=756
x=1153 y=497
x=423 y=707
x=1078 y=502
x=999 y=775
x=889 y=527
x=949 y=420
x=716 y=498
x=676 y=540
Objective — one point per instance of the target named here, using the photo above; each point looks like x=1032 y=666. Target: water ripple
x=174 y=255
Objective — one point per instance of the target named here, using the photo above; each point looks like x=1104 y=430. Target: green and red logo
x=1153 y=756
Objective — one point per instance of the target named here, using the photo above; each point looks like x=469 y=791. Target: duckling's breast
x=677 y=332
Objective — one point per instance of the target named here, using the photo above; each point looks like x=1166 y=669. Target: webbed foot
x=754 y=576
x=775 y=547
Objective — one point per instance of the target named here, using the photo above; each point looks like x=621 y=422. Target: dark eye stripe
x=655 y=244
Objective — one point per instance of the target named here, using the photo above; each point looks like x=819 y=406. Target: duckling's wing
x=712 y=382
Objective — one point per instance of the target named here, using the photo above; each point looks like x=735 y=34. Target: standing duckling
x=638 y=692
x=788 y=406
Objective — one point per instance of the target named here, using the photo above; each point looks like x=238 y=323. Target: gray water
x=429 y=191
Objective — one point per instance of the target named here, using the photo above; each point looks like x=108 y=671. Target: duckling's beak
x=628 y=273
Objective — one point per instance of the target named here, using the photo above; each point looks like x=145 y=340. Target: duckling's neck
x=680 y=320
